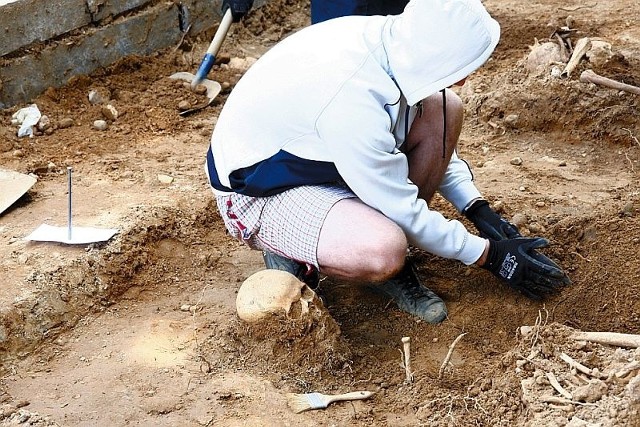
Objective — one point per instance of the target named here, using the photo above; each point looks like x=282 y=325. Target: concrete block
x=24 y=78
x=28 y=21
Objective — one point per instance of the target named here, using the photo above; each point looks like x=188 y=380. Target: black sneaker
x=307 y=274
x=411 y=296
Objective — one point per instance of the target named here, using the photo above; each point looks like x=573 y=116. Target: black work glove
x=492 y=226
x=239 y=8
x=489 y=223
x=516 y=263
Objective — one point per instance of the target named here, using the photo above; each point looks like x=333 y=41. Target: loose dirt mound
x=143 y=330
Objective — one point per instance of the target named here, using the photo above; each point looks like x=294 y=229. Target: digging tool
x=213 y=89
x=212 y=51
x=305 y=402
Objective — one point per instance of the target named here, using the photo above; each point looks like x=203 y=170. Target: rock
x=628 y=209
x=599 y=53
x=511 y=121
x=536 y=228
x=100 y=125
x=200 y=89
x=519 y=220
x=242 y=64
x=591 y=392
x=109 y=112
x=516 y=161
x=184 y=105
x=44 y=123
x=99 y=96
x=165 y=179
x=65 y=123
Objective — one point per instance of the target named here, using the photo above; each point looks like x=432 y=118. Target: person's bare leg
x=360 y=245
x=428 y=159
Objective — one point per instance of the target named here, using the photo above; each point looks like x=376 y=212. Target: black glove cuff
x=492 y=256
x=476 y=207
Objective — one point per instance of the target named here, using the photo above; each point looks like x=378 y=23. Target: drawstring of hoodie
x=444 y=124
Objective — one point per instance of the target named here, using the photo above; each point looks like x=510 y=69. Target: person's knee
x=386 y=257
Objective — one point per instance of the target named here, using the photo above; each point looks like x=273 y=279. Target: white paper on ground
x=79 y=235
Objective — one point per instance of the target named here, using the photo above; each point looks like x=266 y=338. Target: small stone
x=498 y=206
x=536 y=228
x=185 y=307
x=516 y=161
x=511 y=121
x=628 y=209
x=184 y=105
x=98 y=96
x=519 y=219
x=540 y=204
x=18 y=153
x=591 y=392
x=525 y=330
x=165 y=179
x=562 y=163
x=65 y=123
x=44 y=123
x=100 y=125
x=109 y=112
x=200 y=89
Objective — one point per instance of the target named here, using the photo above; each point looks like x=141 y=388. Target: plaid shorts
x=288 y=223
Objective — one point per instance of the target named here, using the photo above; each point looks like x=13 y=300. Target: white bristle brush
x=304 y=402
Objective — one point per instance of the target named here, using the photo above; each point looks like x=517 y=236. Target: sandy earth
x=142 y=330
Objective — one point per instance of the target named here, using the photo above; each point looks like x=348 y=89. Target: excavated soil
x=142 y=330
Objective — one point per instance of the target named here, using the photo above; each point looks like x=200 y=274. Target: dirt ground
x=142 y=330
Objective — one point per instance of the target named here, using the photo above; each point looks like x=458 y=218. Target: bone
x=449 y=354
x=580 y=367
x=589 y=76
x=555 y=384
x=609 y=338
x=406 y=345
x=582 y=47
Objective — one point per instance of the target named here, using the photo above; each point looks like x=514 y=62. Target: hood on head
x=436 y=43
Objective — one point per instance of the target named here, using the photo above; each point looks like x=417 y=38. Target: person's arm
x=364 y=152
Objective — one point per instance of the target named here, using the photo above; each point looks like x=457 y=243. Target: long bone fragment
x=582 y=47
x=589 y=76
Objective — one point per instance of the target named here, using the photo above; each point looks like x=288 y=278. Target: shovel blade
x=213 y=89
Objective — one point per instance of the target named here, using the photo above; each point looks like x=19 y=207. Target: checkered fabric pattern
x=288 y=223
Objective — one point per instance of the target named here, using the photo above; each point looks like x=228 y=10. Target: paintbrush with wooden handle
x=305 y=402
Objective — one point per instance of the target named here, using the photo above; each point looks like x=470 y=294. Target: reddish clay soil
x=142 y=330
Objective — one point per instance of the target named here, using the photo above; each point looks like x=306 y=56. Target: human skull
x=269 y=292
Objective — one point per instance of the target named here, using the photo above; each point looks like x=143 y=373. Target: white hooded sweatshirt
x=333 y=103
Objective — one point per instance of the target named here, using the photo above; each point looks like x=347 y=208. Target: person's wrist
x=483 y=258
x=468 y=206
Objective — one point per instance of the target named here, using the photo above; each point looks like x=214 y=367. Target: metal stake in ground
x=69 y=227
x=70 y=234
